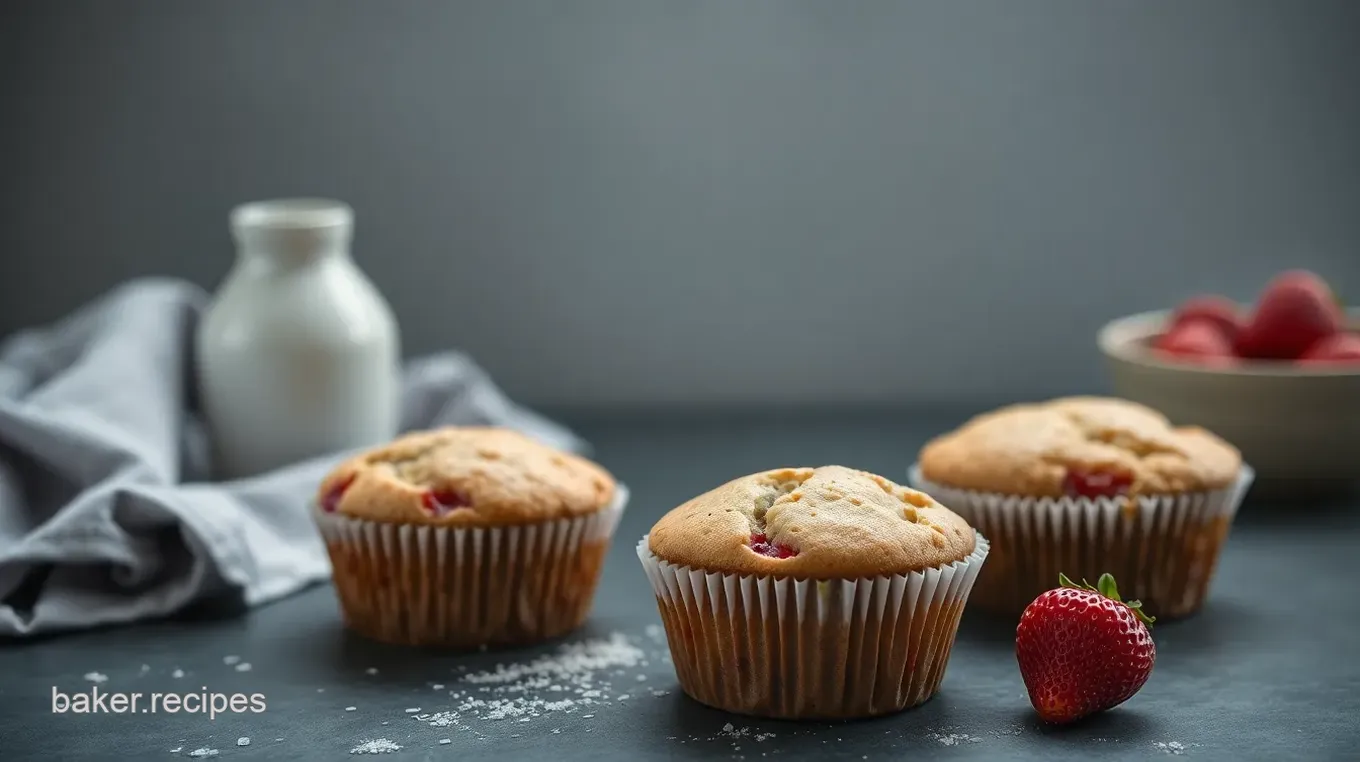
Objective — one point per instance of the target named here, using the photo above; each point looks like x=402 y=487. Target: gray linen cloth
x=107 y=513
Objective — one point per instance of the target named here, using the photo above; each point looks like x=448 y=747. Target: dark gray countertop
x=1266 y=671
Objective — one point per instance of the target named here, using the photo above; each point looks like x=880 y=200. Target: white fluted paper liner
x=784 y=647
x=1161 y=549
x=468 y=586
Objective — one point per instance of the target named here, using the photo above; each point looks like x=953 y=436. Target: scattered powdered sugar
x=571 y=660
x=243 y=667
x=243 y=741
x=1013 y=730
x=573 y=678
x=439 y=719
x=230 y=660
x=953 y=739
x=1169 y=747
x=376 y=746
x=204 y=752
x=96 y=677
x=177 y=750
x=736 y=735
x=350 y=708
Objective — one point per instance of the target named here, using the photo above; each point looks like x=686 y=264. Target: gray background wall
x=638 y=202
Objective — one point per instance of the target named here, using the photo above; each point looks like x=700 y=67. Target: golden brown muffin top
x=818 y=523
x=1088 y=446
x=466 y=476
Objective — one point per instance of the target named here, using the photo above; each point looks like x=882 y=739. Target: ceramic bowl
x=1289 y=421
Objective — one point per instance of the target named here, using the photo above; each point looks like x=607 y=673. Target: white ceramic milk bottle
x=298 y=354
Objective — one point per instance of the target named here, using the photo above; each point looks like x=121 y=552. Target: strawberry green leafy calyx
x=1105 y=586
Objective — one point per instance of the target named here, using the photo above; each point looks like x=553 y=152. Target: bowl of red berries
x=1280 y=379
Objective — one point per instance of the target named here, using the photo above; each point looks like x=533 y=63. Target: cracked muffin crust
x=819 y=523
x=466 y=476
x=1079 y=446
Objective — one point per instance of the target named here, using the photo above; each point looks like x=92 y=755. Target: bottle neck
x=291 y=233
x=289 y=255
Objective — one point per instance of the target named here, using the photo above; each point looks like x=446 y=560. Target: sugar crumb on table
x=376 y=746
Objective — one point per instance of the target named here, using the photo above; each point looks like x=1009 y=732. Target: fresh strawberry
x=1082 y=650
x=1340 y=348
x=1197 y=340
x=1296 y=311
x=1220 y=311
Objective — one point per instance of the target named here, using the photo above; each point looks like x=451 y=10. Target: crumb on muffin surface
x=821 y=523
x=465 y=476
x=1079 y=446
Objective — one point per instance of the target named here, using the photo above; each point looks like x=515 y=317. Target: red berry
x=446 y=500
x=1296 y=311
x=331 y=500
x=1341 y=348
x=1096 y=483
x=762 y=545
x=1082 y=650
x=1221 y=312
x=1196 y=339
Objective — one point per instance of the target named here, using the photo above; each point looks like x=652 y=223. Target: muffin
x=809 y=593
x=1085 y=486
x=464 y=537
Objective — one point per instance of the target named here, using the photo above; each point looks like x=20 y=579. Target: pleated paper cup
x=1162 y=549
x=461 y=587
x=808 y=649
